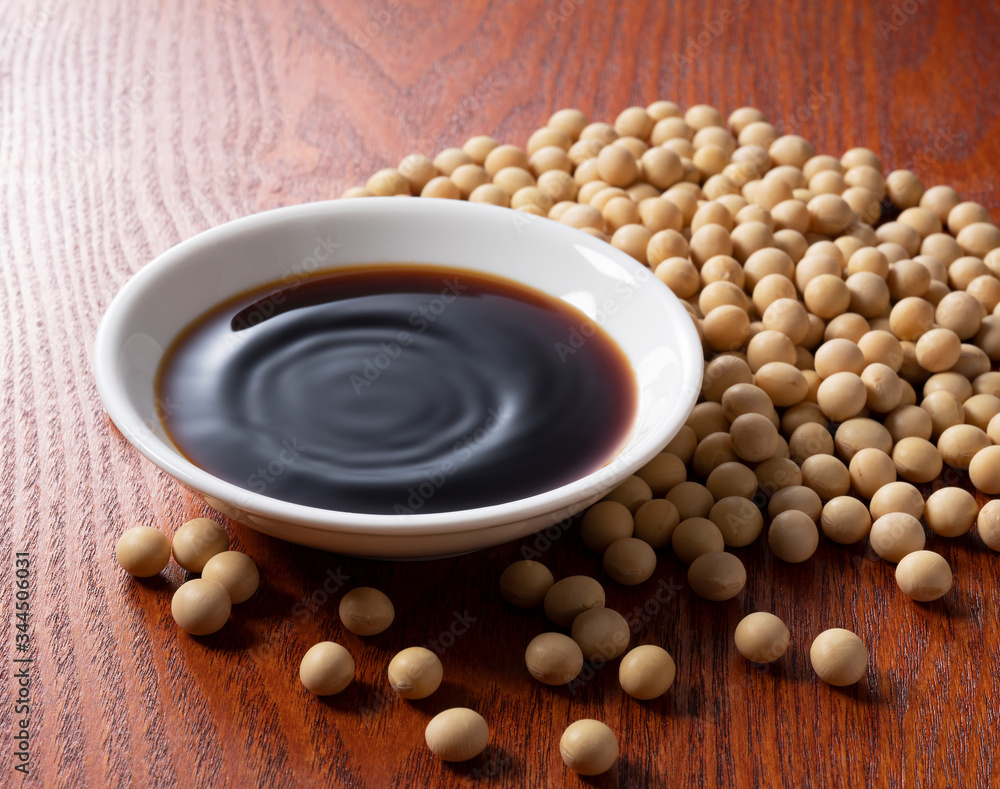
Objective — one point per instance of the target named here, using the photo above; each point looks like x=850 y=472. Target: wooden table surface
x=127 y=126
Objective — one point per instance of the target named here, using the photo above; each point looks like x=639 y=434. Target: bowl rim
x=113 y=330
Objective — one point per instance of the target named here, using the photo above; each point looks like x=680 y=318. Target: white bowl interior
x=612 y=289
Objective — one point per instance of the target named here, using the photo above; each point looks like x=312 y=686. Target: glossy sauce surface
x=397 y=389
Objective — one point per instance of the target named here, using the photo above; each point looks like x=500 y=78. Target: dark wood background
x=126 y=126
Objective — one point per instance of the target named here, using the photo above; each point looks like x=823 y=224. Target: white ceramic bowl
x=632 y=305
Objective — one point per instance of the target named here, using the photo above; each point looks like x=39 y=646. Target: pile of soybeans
x=850 y=321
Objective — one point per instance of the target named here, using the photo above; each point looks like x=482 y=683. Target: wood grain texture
x=126 y=126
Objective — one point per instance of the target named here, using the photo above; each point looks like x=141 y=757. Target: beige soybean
x=987 y=383
x=197 y=541
x=911 y=317
x=923 y=576
x=795 y=497
x=845 y=520
x=457 y=734
x=553 y=658
x=979 y=409
x=827 y=476
x=417 y=170
x=326 y=668
x=897 y=497
x=366 y=611
x=950 y=512
x=728 y=479
x=662 y=473
x=984 y=470
x=236 y=571
x=143 y=551
x=777 y=473
x=896 y=534
x=525 y=583
x=938 y=350
x=839 y=355
x=793 y=536
x=842 y=396
x=478 y=147
x=568 y=598
x=800 y=414
x=646 y=672
x=201 y=607
x=694 y=537
x=783 y=383
x=881 y=347
x=839 y=657
x=717 y=576
x=883 y=386
x=588 y=747
x=738 y=519
x=917 y=460
x=388 y=182
x=959 y=444
x=754 y=437
x=988 y=524
x=441 y=187
x=745 y=398
x=849 y=326
x=604 y=523
x=683 y=444
x=909 y=420
x=492 y=195
x=415 y=673
x=761 y=637
x=601 y=634
x=629 y=561
x=655 y=522
x=633 y=492
x=722 y=374
x=691 y=499
x=810 y=439
x=871 y=469
x=858 y=433
x=961 y=313
x=726 y=327
x=944 y=409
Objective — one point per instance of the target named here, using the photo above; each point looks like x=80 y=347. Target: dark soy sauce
x=397 y=389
